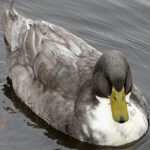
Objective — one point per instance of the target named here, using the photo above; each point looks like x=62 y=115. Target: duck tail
x=12 y=13
x=8 y=17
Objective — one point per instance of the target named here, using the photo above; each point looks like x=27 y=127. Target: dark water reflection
x=105 y=24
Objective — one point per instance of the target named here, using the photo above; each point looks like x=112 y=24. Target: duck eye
x=115 y=98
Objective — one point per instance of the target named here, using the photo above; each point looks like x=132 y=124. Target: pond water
x=105 y=24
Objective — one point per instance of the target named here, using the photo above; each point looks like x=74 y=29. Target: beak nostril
x=121 y=119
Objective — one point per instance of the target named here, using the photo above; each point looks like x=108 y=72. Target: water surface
x=105 y=24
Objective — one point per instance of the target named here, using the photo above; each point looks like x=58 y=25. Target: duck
x=73 y=87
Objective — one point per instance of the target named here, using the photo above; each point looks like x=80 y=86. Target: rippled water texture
x=105 y=24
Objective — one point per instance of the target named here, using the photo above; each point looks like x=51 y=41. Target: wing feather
x=58 y=59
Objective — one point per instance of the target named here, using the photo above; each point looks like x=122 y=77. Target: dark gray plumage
x=54 y=73
x=113 y=70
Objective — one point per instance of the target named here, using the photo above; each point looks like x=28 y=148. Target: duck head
x=112 y=79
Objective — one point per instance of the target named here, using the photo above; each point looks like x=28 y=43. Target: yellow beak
x=119 y=106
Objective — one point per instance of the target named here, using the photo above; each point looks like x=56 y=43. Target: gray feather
x=48 y=66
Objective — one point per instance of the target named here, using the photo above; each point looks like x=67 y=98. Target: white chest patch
x=108 y=132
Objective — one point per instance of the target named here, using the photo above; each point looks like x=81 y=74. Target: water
x=105 y=24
